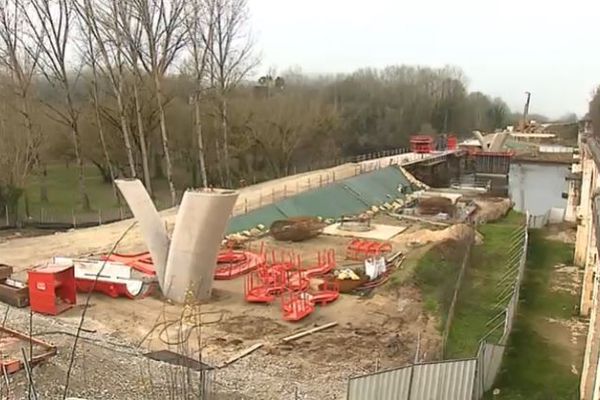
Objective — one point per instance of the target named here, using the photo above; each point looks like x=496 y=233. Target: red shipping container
x=52 y=288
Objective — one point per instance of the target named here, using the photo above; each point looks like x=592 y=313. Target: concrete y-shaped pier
x=185 y=264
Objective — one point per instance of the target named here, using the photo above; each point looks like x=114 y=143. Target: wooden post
x=100 y=217
x=245 y=205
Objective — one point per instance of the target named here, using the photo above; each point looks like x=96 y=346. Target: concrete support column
x=590 y=358
x=574 y=195
x=584 y=212
x=199 y=228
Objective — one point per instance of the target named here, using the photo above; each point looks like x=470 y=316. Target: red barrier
x=296 y=305
x=361 y=249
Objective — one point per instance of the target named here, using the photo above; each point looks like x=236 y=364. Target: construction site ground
x=380 y=330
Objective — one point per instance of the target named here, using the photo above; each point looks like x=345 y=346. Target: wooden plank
x=308 y=332
x=244 y=353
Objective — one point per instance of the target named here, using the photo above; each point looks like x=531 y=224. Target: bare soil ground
x=377 y=331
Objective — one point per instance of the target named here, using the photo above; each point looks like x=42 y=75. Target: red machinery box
x=52 y=288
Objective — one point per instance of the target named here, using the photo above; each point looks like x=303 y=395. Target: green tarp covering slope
x=347 y=197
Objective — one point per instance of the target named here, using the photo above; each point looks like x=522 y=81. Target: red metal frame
x=296 y=305
x=52 y=288
x=325 y=264
x=141 y=262
x=112 y=289
x=12 y=341
x=328 y=293
x=421 y=144
x=361 y=249
x=234 y=263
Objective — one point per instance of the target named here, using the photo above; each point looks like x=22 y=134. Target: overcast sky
x=550 y=48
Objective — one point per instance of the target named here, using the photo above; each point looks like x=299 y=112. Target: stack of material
x=12 y=292
x=435 y=205
x=296 y=229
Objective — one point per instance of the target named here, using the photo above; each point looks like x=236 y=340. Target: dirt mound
x=435 y=205
x=492 y=209
x=456 y=232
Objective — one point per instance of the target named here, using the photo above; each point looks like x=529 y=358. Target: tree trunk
x=142 y=136
x=101 y=135
x=165 y=138
x=201 y=160
x=225 y=140
x=43 y=187
x=219 y=160
x=85 y=200
x=125 y=128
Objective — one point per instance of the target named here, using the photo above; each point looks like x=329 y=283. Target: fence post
x=245 y=205
x=6 y=211
x=100 y=216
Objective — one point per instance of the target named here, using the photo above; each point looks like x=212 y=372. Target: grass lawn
x=64 y=199
x=478 y=294
x=436 y=273
x=537 y=363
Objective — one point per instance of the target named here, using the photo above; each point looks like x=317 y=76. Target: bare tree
x=99 y=20
x=157 y=43
x=231 y=50
x=199 y=24
x=90 y=55
x=50 y=23
x=21 y=67
x=128 y=35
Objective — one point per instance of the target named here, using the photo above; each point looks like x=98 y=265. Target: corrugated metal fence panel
x=264 y=215
x=385 y=385
x=491 y=361
x=449 y=380
x=330 y=201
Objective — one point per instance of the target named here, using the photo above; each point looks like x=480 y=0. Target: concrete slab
x=378 y=232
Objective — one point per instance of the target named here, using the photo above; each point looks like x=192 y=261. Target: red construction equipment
x=124 y=278
x=361 y=249
x=141 y=262
x=325 y=264
x=296 y=305
x=452 y=143
x=233 y=263
x=328 y=292
x=52 y=288
x=12 y=344
x=421 y=144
